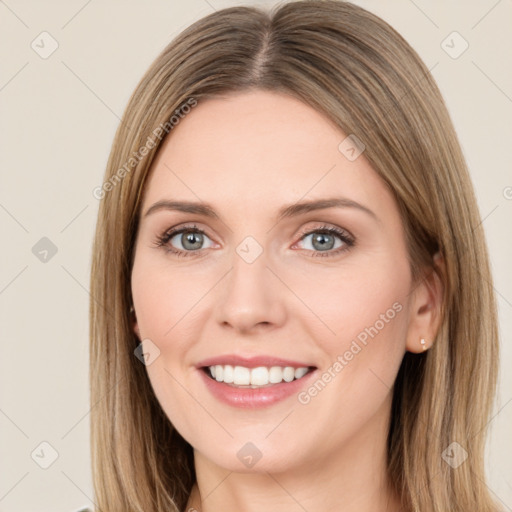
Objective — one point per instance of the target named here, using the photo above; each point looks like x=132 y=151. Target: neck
x=352 y=480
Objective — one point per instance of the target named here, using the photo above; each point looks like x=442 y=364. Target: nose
x=252 y=298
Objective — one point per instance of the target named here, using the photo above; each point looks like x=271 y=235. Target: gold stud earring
x=423 y=344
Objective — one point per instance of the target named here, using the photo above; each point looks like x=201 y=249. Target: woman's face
x=262 y=287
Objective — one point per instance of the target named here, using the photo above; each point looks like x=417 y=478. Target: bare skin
x=248 y=155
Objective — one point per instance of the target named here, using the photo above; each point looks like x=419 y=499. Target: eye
x=327 y=241
x=184 y=241
x=190 y=241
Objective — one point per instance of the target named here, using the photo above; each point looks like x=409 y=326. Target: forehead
x=262 y=148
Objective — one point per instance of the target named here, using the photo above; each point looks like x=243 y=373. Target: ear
x=135 y=325
x=426 y=308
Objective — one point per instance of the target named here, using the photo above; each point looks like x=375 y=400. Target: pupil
x=188 y=238
x=321 y=240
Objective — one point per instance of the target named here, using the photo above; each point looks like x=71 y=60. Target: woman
x=292 y=306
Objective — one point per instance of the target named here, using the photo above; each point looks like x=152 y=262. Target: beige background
x=58 y=118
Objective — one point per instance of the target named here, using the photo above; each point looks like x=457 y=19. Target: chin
x=257 y=457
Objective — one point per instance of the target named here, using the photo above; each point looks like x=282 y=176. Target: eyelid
x=329 y=228
x=344 y=235
x=163 y=239
x=348 y=240
x=183 y=227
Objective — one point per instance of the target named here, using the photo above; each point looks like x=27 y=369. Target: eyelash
x=348 y=240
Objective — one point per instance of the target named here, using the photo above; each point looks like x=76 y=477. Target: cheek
x=166 y=298
x=365 y=307
x=362 y=334
x=360 y=300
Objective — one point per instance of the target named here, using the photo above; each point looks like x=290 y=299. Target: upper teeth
x=260 y=376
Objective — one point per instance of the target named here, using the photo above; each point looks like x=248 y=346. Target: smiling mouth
x=254 y=378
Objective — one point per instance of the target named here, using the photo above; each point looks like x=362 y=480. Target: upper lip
x=251 y=362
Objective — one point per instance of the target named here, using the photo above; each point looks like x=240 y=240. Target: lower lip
x=254 y=397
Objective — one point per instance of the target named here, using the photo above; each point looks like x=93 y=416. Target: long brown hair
x=360 y=73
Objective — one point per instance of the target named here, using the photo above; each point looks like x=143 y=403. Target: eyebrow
x=292 y=210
